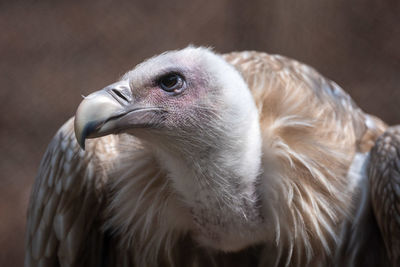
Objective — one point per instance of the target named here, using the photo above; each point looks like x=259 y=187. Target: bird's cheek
x=180 y=108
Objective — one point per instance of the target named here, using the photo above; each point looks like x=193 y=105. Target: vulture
x=195 y=158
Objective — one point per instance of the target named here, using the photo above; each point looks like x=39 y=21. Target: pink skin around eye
x=186 y=98
x=180 y=107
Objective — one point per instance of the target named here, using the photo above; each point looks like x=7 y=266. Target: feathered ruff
x=312 y=129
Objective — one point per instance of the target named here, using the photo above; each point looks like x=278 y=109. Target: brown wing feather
x=384 y=175
x=64 y=210
x=285 y=77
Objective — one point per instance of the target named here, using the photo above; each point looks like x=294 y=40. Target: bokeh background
x=52 y=52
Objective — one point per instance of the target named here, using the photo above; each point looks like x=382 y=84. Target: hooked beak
x=110 y=110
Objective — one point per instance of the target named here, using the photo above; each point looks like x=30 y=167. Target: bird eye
x=171 y=83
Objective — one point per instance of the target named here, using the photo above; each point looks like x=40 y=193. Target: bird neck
x=217 y=181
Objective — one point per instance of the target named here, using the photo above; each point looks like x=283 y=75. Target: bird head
x=186 y=95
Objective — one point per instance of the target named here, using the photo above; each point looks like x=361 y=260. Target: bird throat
x=218 y=186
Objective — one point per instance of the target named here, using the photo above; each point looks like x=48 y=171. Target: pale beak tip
x=95 y=110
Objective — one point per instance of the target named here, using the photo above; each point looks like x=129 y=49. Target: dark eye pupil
x=170 y=81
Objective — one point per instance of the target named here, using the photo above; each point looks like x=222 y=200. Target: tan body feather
x=116 y=205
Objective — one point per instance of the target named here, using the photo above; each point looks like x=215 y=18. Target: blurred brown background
x=52 y=52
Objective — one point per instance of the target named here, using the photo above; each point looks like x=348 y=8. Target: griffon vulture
x=199 y=159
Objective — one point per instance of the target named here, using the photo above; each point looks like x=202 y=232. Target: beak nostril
x=119 y=94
